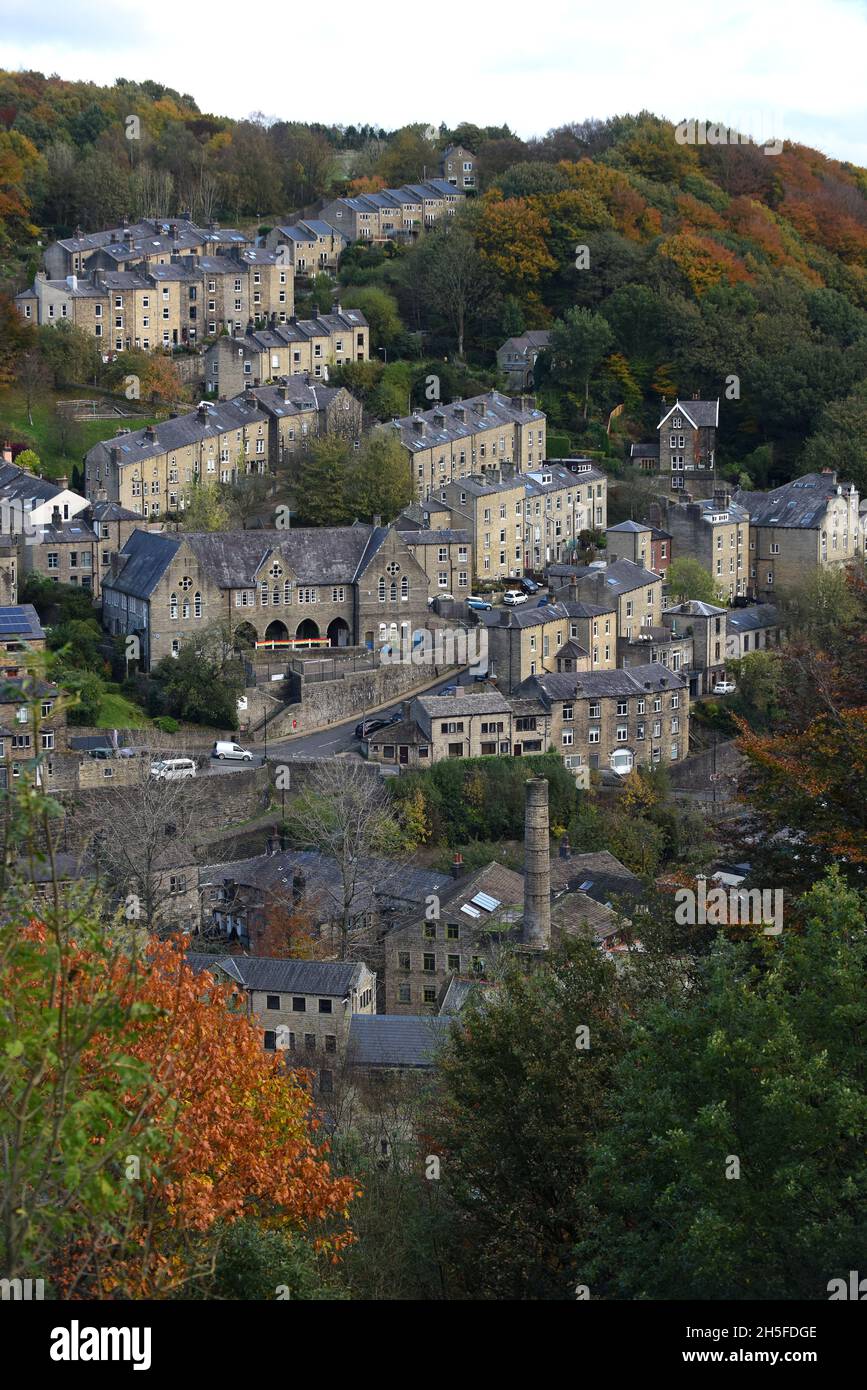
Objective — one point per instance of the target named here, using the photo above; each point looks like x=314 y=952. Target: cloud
x=796 y=64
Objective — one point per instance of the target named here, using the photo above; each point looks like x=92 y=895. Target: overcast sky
x=794 y=68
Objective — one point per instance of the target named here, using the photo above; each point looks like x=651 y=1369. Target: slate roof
x=699 y=413
x=486 y=701
x=800 y=504
x=16 y=484
x=535 y=616
x=644 y=451
x=694 y=608
x=386 y=880
x=499 y=882
x=617 y=577
x=598 y=873
x=558 y=478
x=216 y=418
x=396 y=1040
x=537 y=340
x=422 y=537
x=146 y=556
x=633 y=527
x=499 y=410
x=112 y=511
x=753 y=618
x=590 y=685
x=335 y=978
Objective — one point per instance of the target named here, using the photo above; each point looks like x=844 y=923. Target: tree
x=206 y=508
x=379 y=482
x=246 y=497
x=733 y=1163
x=840 y=440
x=455 y=278
x=321 y=490
x=203 y=682
x=579 y=341
x=140 y=1117
x=29 y=460
x=380 y=310
x=344 y=812
x=32 y=377
x=688 y=579
x=523 y=1091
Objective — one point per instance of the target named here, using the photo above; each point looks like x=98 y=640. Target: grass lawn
x=117 y=712
x=45 y=437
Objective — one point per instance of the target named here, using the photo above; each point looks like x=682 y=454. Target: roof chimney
x=565 y=848
x=458 y=866
x=537 y=865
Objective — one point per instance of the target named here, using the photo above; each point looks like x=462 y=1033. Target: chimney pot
x=457 y=865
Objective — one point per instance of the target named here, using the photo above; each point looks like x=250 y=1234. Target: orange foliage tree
x=221 y=1130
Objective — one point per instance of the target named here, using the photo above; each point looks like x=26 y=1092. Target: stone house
x=470 y=438
x=423 y=951
x=558 y=505
x=715 y=531
x=459 y=167
x=443 y=554
x=754 y=628
x=516 y=359
x=151 y=240
x=337 y=586
x=811 y=523
x=635 y=591
x=687 y=447
x=310 y=246
x=705 y=625
x=490 y=508
x=615 y=719
x=304 y=1007
x=33 y=728
x=641 y=543
x=152 y=471
x=286 y=349
x=566 y=635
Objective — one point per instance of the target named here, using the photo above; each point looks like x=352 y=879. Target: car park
x=225 y=749
x=512 y=597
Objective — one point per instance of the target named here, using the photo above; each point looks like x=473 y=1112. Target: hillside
x=714 y=269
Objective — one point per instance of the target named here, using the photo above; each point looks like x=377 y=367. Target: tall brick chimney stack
x=537 y=865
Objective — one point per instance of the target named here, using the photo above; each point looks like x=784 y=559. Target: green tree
x=688 y=579
x=379 y=482
x=322 y=484
x=380 y=310
x=579 y=342
x=207 y=508
x=523 y=1094
x=733 y=1166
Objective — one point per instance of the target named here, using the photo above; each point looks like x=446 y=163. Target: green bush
x=166 y=724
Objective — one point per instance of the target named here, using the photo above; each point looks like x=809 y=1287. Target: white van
x=170 y=769
x=231 y=750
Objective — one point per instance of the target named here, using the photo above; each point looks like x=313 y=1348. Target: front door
x=403 y=753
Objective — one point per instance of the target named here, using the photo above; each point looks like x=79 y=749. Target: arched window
x=265 y=593
x=404 y=587
x=197 y=604
x=383 y=631
x=173 y=606
x=287 y=591
x=185 y=612
x=392 y=632
x=276 y=594
x=381 y=590
x=393 y=592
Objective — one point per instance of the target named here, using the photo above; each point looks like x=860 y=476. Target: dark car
x=530 y=586
x=448 y=690
x=373 y=726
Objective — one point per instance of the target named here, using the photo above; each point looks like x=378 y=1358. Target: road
x=340 y=738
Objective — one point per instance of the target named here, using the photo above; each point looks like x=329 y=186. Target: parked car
x=448 y=690
x=544 y=600
x=512 y=597
x=482 y=604
x=224 y=749
x=530 y=586
x=172 y=769
x=433 y=598
x=373 y=726
x=724 y=688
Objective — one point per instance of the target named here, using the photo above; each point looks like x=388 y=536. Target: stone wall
x=333 y=702
x=694 y=773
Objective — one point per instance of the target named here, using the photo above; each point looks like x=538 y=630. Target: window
x=310 y=1042
x=270 y=1040
x=326 y=1006
x=403 y=960
x=299 y=1004
x=272 y=1001
x=428 y=962
x=330 y=1042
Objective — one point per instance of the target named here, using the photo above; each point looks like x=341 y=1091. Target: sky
x=778 y=68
